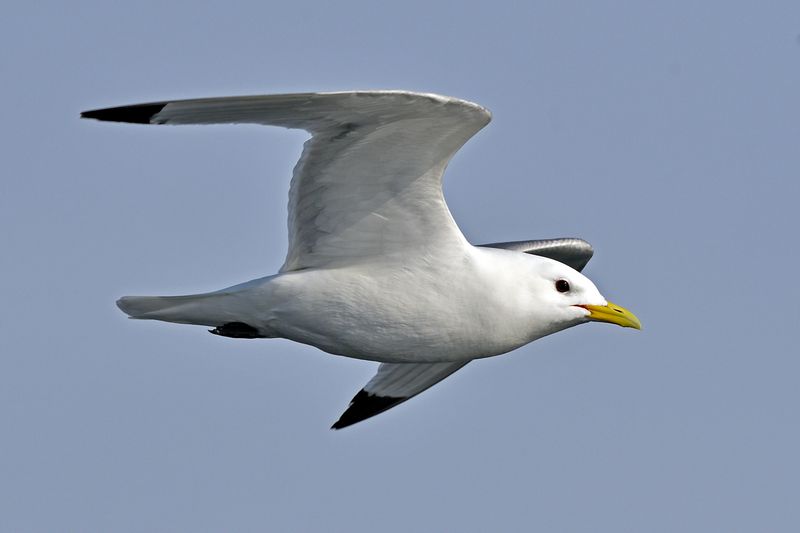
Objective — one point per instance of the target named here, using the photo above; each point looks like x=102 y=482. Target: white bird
x=377 y=268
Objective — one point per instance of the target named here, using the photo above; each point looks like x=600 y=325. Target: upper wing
x=369 y=180
x=392 y=385
x=572 y=252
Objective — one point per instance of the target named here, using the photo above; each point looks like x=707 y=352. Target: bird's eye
x=562 y=285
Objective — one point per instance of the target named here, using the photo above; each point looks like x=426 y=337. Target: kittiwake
x=377 y=268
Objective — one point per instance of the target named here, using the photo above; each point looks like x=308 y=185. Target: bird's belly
x=389 y=319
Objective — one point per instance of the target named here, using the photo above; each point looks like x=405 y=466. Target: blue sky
x=665 y=134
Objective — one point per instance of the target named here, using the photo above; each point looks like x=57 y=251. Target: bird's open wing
x=369 y=180
x=572 y=252
x=392 y=385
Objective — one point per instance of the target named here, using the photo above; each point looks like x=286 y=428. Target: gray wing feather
x=392 y=385
x=570 y=251
x=368 y=182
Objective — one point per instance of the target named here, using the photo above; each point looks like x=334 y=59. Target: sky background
x=666 y=134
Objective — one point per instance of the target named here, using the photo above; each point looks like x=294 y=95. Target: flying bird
x=377 y=268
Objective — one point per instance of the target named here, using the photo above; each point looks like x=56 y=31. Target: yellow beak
x=614 y=314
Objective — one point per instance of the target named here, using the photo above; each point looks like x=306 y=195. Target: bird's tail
x=208 y=309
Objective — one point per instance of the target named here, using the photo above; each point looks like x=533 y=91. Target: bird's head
x=566 y=298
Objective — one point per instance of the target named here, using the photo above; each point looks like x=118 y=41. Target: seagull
x=377 y=268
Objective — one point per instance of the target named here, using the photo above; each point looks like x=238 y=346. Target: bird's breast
x=398 y=314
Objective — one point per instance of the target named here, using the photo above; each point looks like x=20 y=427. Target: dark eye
x=562 y=285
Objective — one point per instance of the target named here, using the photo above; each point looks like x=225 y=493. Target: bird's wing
x=392 y=385
x=572 y=252
x=369 y=180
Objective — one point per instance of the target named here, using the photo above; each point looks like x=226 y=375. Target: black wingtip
x=136 y=114
x=365 y=405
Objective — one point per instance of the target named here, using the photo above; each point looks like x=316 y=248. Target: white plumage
x=377 y=268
